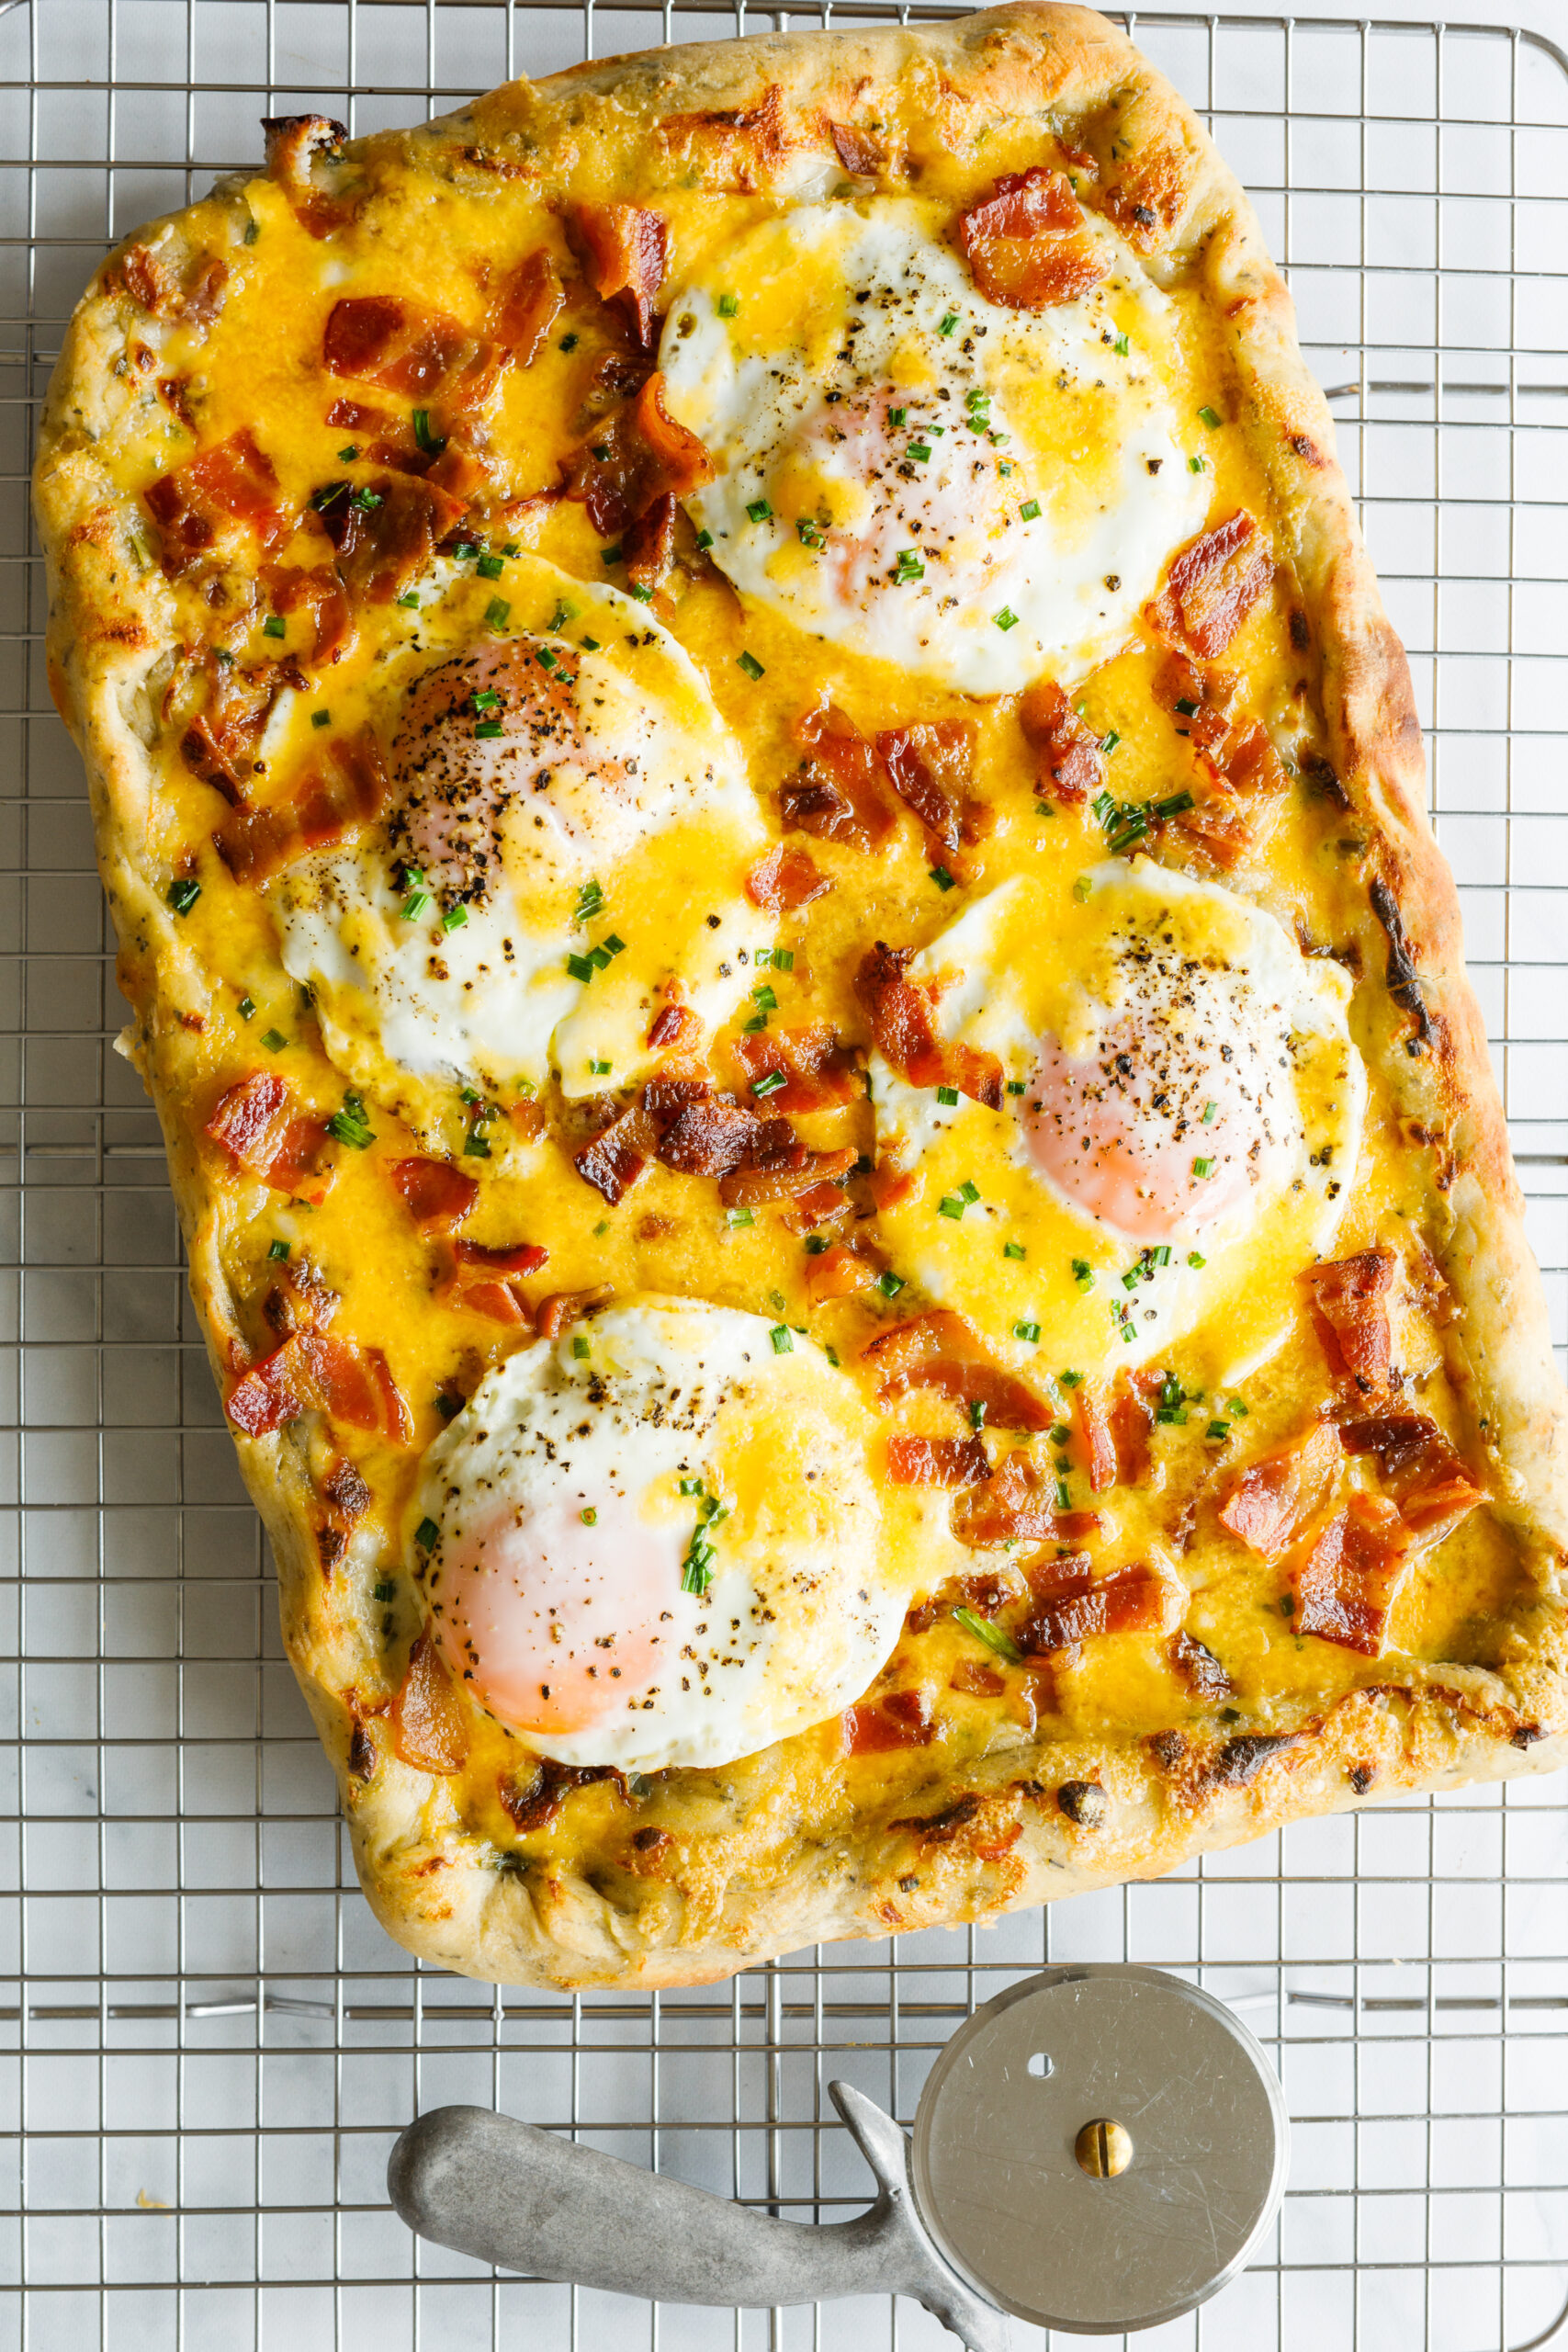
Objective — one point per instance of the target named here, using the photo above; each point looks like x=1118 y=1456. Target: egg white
x=999 y=998
x=802 y=1611
x=838 y=300
x=411 y=1011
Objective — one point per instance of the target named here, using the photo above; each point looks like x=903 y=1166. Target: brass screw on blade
x=1103 y=2148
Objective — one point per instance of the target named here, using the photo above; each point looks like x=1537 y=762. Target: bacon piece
x=638 y=455
x=383 y=545
x=437 y=1195
x=707 y=1137
x=839 y=1272
x=1132 y=1429
x=857 y=151
x=783 y=880
x=937 y=1461
x=535 y=1805
x=380 y=339
x=526 y=308
x=291 y=588
x=1069 y=1605
x=623 y=248
x=647 y=546
x=1276 y=1498
x=1200 y=700
x=259 y=1124
x=840 y=792
x=903 y=1719
x=553 y=1315
x=231 y=481
x=1068 y=754
x=674 y=1028
x=1349 y=1307
x=218 y=743
x=513 y=1258
x=758 y=131
x=1213 y=585
x=1348 y=1585
x=1018 y=1505
x=428 y=1729
x=294 y=144
x=810 y=1060
x=614 y=1158
x=479 y=1283
x=783 y=1175
x=1427 y=1478
x=314 y=1368
x=1216 y=835
x=1027 y=243
x=819 y=1205
x=1100 y=1443
x=931 y=767
x=901 y=1014
x=940 y=1351
x=254 y=843
x=394 y=1416
x=1250 y=763
x=1195 y=1665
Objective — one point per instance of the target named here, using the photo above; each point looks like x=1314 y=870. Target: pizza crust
x=748 y=1880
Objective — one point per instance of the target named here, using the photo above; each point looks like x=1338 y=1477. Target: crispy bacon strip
x=932 y=766
x=1274 y=1500
x=707 y=1137
x=1068 y=760
x=1132 y=1429
x=1350 y=1308
x=231 y=481
x=674 y=1028
x=315 y=1368
x=857 y=151
x=904 y=1719
x=437 y=1195
x=1027 y=243
x=380 y=339
x=513 y=1258
x=294 y=142
x=812 y=1063
x=623 y=248
x=383 y=545
x=328 y=803
x=818 y=1204
x=1017 y=1506
x=526 y=308
x=1348 y=1583
x=260 y=1125
x=1195 y=1665
x=940 y=1351
x=1427 y=1478
x=783 y=1175
x=647 y=546
x=1214 y=833
x=1069 y=1604
x=1093 y=1413
x=564 y=1308
x=783 y=880
x=637 y=455
x=428 y=1729
x=614 y=1158
x=291 y=588
x=937 y=1461
x=840 y=1271
x=484 y=1282
x=839 y=791
x=902 y=1017
x=1199 y=700
x=1213 y=585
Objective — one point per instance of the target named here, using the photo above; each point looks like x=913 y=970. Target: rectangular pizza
x=767 y=846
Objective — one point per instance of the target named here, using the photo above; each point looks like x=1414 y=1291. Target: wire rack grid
x=209 y=2044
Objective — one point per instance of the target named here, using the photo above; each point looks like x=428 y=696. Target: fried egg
x=564 y=845
x=1180 y=1121
x=973 y=493
x=657 y=1541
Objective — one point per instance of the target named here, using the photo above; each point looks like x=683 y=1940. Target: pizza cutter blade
x=1099 y=2149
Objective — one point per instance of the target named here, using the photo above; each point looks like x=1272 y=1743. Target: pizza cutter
x=1099 y=2149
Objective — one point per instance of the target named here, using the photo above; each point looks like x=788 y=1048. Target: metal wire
x=215 y=2044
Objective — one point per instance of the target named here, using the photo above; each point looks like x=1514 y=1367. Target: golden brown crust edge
x=1066 y=68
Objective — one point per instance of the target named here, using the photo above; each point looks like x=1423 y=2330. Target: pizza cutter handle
x=525 y=2199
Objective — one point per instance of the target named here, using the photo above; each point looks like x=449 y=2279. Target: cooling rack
x=208 y=2043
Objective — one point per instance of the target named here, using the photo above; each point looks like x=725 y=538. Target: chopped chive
x=1012 y=1249
x=183 y=894
x=950 y=1205
x=1208 y=416
x=476 y=1143
x=1030 y=511
x=908 y=567
x=728 y=304
x=273 y=1040
x=1120 y=346
x=546 y=658
x=416 y=904
x=1081 y=888
x=948 y=324
x=455 y=919
x=610 y=555
x=1015 y=1086
x=579 y=967
x=591 y=645
x=426 y=1534
x=759 y=511
x=1177 y=806
x=764 y=999
x=749 y=664
x=590 y=1516
x=486 y=699
x=1030 y=1332
x=247 y=1006
x=1063 y=1495
x=992 y=1635
x=1210 y=1108
x=644 y=596
x=704 y=540
x=580 y=1348
x=346 y=456
x=497 y=613
x=1236 y=1408
x=890 y=1285
x=1195 y=1257
x=784 y=1344
x=600 y=1068
x=1161 y=1256
x=810 y=533
x=969 y=1192
x=1202 y=1168
x=463 y=549
x=738 y=1218
x=772 y=1084
x=490 y=567
x=277 y=1250
x=815 y=1244
x=919 y=451
x=410 y=602
x=321 y=719
x=942 y=878
x=615 y=947
x=948 y=1095
x=1218 y=1431
x=784 y=959
x=977 y=1413
x=567 y=343
x=1195 y=466
x=1007 y=618
x=1109 y=741
x=367 y=500
x=275 y=625
x=691 y=1485
x=897 y=416
x=350 y=1124
x=1083 y=1273
x=1132 y=1278
x=489 y=731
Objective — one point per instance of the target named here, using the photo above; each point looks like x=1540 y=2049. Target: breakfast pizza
x=768 y=848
